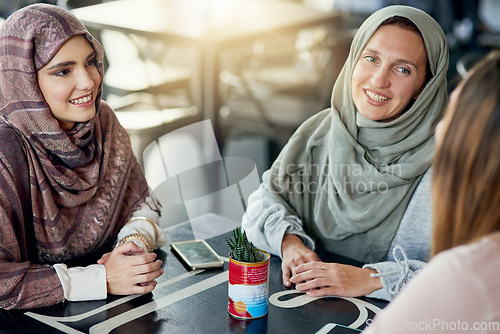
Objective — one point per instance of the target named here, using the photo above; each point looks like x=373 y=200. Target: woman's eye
x=370 y=58
x=403 y=70
x=92 y=62
x=61 y=73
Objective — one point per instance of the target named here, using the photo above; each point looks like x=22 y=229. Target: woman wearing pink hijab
x=74 y=203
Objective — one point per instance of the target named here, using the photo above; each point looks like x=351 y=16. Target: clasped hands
x=302 y=267
x=130 y=270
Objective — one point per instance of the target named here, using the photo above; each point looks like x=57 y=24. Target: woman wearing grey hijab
x=353 y=180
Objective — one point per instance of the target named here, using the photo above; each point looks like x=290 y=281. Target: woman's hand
x=130 y=270
x=133 y=251
x=294 y=253
x=334 y=279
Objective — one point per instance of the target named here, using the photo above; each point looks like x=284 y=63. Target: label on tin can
x=248 y=301
x=248 y=289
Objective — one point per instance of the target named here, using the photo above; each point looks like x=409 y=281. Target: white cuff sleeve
x=83 y=283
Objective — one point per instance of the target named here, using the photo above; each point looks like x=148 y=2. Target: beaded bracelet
x=137 y=236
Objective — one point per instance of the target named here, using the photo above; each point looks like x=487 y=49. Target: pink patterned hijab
x=83 y=183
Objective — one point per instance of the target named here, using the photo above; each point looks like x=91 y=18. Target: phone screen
x=196 y=254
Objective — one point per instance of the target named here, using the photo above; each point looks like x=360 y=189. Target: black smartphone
x=196 y=254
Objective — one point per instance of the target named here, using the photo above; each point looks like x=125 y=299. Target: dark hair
x=466 y=171
x=408 y=24
x=402 y=22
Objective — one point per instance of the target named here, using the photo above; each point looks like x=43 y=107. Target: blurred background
x=256 y=88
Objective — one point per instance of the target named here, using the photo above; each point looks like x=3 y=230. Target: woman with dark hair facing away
x=459 y=290
x=70 y=188
x=354 y=179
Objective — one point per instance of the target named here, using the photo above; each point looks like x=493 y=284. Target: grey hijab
x=350 y=178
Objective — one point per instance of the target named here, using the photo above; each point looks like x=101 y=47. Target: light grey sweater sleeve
x=410 y=248
x=266 y=221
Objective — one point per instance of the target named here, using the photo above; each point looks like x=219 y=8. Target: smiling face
x=70 y=81
x=390 y=72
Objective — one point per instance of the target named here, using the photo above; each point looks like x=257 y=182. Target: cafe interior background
x=265 y=88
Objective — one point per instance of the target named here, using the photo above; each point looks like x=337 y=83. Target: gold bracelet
x=137 y=236
x=145 y=219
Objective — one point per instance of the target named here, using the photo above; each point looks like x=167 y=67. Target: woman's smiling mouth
x=376 y=97
x=81 y=100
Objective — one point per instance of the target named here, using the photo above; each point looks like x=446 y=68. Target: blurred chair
x=150 y=96
x=271 y=92
x=145 y=122
x=285 y=80
x=140 y=65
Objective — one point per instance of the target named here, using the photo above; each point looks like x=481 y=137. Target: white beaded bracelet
x=137 y=236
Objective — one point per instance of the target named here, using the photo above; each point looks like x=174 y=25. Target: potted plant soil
x=248 y=278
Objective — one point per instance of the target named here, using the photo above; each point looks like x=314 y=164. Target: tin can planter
x=248 y=287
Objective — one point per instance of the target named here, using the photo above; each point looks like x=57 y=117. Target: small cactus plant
x=241 y=249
